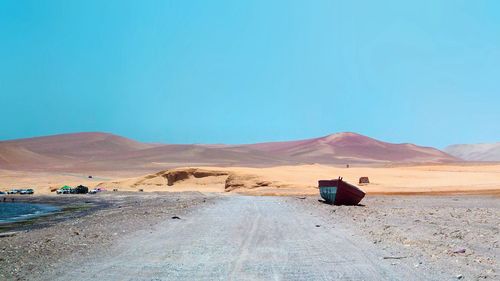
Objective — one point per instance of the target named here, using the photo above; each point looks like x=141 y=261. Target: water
x=17 y=211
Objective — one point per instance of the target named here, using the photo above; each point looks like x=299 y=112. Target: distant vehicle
x=13 y=191
x=26 y=191
x=96 y=190
x=64 y=190
x=3 y=192
x=80 y=190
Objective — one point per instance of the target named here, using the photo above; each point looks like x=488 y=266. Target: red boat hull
x=339 y=192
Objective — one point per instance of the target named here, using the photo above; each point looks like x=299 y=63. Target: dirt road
x=241 y=238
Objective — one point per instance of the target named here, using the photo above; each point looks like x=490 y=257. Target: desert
x=451 y=178
x=434 y=220
x=249 y=140
x=185 y=235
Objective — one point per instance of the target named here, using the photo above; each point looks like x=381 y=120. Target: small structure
x=64 y=190
x=339 y=192
x=364 y=180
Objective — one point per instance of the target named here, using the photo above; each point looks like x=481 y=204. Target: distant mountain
x=475 y=152
x=98 y=151
x=65 y=150
x=351 y=147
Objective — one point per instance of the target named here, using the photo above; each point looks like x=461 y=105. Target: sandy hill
x=62 y=151
x=102 y=151
x=172 y=155
x=475 y=152
x=351 y=147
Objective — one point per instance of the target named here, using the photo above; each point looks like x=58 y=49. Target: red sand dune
x=344 y=147
x=92 y=151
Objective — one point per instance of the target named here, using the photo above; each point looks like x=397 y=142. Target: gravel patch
x=88 y=225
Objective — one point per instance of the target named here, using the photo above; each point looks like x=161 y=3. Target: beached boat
x=339 y=192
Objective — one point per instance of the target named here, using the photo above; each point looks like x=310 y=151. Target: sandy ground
x=390 y=180
x=285 y=180
x=261 y=238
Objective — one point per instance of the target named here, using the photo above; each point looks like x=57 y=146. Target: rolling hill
x=102 y=151
x=351 y=147
x=475 y=152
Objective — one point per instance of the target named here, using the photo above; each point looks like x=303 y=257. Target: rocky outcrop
x=236 y=181
x=174 y=176
x=228 y=180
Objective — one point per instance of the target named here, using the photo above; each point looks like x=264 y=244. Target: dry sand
x=282 y=180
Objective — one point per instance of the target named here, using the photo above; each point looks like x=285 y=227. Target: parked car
x=27 y=191
x=80 y=190
x=3 y=192
x=96 y=190
x=66 y=189
x=13 y=191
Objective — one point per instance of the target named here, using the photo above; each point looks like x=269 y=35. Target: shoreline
x=35 y=210
x=68 y=208
x=88 y=225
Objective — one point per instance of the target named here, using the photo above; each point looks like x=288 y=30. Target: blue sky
x=426 y=72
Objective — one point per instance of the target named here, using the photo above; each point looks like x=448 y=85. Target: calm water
x=10 y=212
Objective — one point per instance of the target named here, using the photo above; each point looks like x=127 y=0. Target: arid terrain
x=91 y=152
x=248 y=212
x=278 y=180
x=273 y=168
x=186 y=236
x=475 y=152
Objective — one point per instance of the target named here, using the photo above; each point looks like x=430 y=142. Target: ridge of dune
x=104 y=151
x=348 y=145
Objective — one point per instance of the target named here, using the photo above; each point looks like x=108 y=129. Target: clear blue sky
x=426 y=72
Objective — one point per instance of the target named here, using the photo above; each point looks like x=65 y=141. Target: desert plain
x=456 y=178
x=224 y=217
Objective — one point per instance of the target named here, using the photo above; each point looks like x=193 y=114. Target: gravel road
x=242 y=238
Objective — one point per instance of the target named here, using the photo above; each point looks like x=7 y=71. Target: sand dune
x=105 y=152
x=352 y=147
x=65 y=151
x=266 y=168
